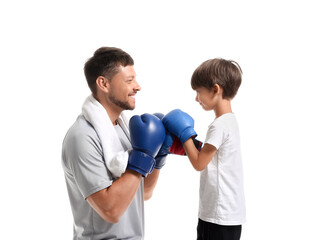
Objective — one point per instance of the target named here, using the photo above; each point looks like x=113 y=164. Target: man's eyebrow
x=131 y=76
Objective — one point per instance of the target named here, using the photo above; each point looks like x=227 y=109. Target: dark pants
x=211 y=231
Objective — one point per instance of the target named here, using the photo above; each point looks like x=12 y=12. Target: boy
x=222 y=203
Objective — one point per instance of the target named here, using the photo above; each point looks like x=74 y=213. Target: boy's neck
x=223 y=107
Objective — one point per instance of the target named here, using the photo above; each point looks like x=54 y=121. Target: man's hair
x=105 y=62
x=226 y=73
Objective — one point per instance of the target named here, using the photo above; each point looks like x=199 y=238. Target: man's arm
x=112 y=202
x=150 y=183
x=199 y=160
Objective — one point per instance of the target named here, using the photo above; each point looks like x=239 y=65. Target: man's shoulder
x=80 y=130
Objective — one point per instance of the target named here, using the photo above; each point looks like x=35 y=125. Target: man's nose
x=137 y=87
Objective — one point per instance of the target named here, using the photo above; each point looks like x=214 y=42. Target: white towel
x=114 y=156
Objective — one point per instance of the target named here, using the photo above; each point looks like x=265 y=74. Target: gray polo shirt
x=86 y=173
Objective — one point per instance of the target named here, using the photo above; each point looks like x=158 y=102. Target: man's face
x=123 y=88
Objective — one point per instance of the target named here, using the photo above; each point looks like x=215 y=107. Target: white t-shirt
x=222 y=198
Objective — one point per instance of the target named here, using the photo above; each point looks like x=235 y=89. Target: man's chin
x=130 y=107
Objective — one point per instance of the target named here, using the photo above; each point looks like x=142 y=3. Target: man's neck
x=112 y=111
x=113 y=115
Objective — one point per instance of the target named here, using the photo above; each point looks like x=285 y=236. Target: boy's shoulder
x=225 y=119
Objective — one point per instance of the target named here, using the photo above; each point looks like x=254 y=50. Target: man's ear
x=103 y=83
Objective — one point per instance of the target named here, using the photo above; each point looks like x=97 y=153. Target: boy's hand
x=180 y=124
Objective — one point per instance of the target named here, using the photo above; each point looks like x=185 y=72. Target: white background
x=44 y=45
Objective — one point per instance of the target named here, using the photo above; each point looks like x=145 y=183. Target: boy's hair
x=105 y=62
x=226 y=73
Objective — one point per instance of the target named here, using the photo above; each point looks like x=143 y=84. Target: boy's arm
x=199 y=160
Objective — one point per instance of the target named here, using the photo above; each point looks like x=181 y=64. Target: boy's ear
x=103 y=83
x=217 y=89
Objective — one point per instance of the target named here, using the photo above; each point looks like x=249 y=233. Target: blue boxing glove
x=147 y=134
x=160 y=158
x=180 y=124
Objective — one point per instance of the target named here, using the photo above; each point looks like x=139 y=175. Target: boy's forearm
x=192 y=153
x=201 y=159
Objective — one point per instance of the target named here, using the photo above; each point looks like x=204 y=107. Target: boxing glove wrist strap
x=160 y=161
x=141 y=162
x=187 y=133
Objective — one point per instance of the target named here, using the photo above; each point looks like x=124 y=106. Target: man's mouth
x=132 y=96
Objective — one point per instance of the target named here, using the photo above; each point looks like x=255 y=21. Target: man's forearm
x=112 y=202
x=150 y=183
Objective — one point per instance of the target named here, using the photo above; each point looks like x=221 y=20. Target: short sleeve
x=215 y=135
x=87 y=164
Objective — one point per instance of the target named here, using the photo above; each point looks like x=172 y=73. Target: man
x=106 y=204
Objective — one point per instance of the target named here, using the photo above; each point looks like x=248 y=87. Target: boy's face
x=206 y=98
